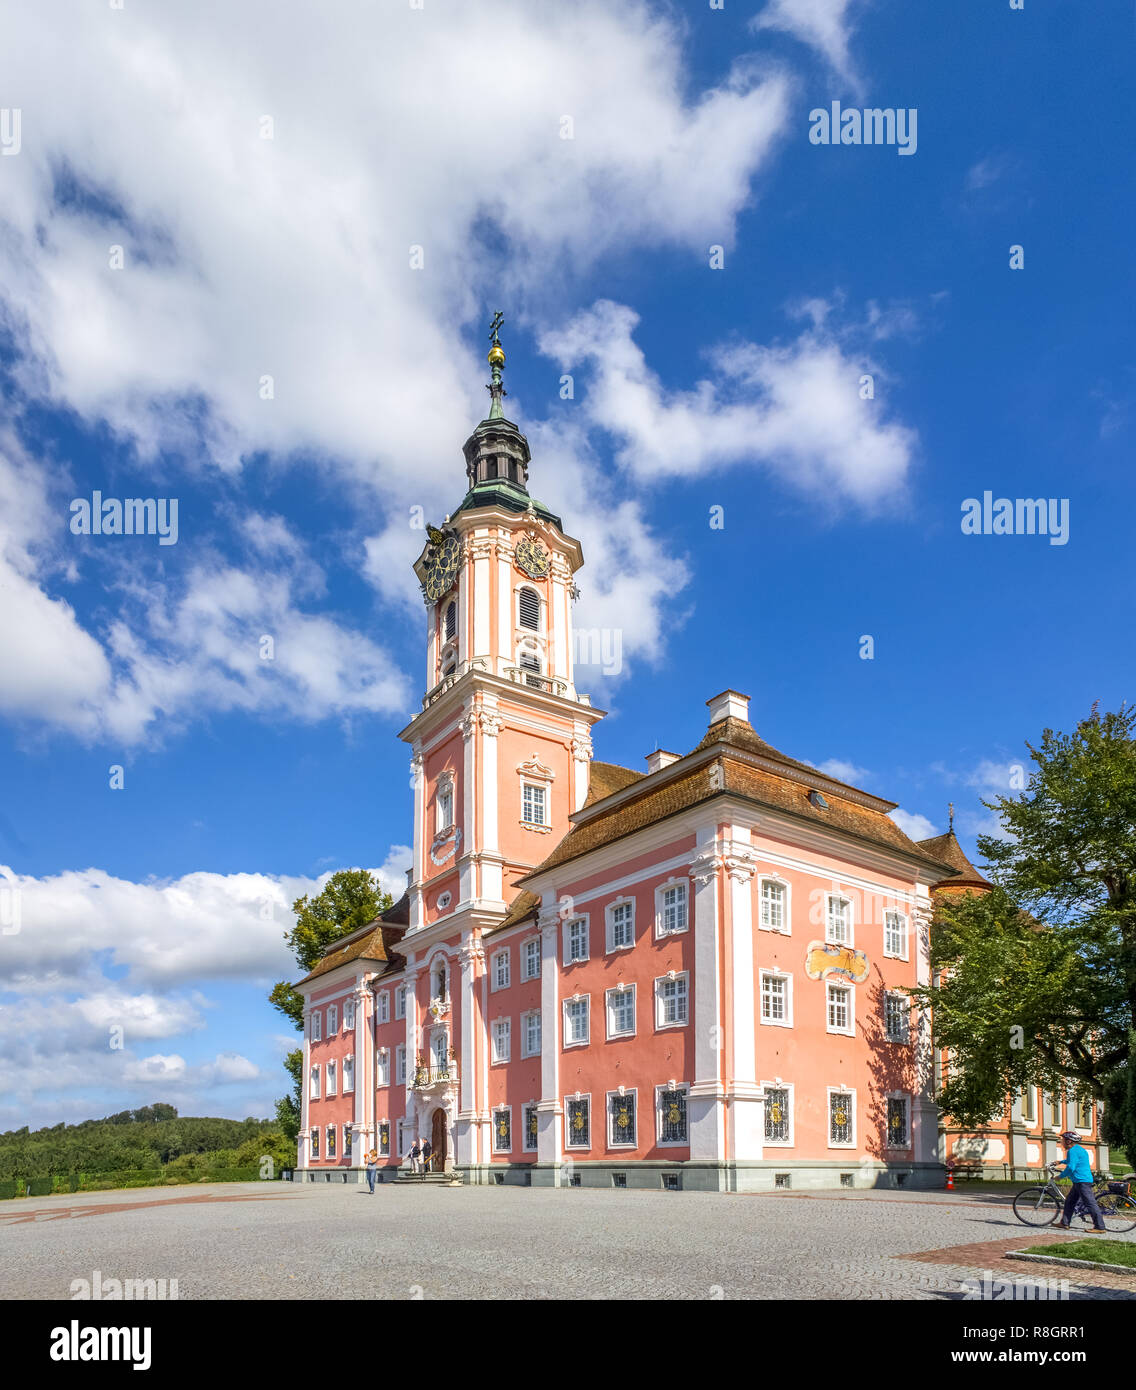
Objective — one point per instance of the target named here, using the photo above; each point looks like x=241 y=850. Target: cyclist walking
x=1079 y=1170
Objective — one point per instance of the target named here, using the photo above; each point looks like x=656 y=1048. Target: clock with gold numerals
x=442 y=562
x=533 y=558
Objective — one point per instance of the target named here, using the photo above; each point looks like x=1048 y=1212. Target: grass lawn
x=1109 y=1252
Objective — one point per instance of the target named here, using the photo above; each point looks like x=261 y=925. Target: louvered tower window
x=451 y=621
x=530 y=609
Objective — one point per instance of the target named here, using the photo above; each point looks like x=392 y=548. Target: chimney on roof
x=660 y=758
x=729 y=705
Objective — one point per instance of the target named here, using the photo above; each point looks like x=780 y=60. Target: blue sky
x=160 y=907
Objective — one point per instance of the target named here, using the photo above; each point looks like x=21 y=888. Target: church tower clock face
x=532 y=558
x=442 y=567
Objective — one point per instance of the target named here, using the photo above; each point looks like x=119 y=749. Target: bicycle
x=1043 y=1203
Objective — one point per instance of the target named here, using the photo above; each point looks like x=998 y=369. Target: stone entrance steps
x=435 y=1179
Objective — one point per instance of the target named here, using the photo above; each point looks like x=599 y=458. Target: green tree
x=1040 y=974
x=288 y=1107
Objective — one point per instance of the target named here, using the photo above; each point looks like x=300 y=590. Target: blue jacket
x=1077 y=1165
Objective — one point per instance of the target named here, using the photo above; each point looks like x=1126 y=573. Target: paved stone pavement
x=256 y=1240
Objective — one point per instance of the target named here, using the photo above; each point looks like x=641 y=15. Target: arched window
x=440 y=981
x=529 y=606
x=529 y=661
x=450 y=621
x=449 y=665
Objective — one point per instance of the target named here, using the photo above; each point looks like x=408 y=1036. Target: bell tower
x=502 y=743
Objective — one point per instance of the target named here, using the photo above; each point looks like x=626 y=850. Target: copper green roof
x=500 y=492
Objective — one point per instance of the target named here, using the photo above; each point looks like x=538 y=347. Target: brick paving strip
x=992 y=1255
x=64 y=1213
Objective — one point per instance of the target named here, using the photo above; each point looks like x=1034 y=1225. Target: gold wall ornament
x=824 y=958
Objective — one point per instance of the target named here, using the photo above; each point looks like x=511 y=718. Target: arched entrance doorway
x=439 y=1131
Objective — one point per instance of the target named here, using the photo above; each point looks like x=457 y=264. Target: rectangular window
x=897 y=1129
x=531 y=1123
x=838 y=920
x=400 y=1002
x=577 y=1123
x=332 y=1020
x=672 y=909
x=501 y=970
x=533 y=804
x=1028 y=1112
x=317 y=1026
x=621 y=1012
x=400 y=1065
x=1055 y=1111
x=346 y=1141
x=530 y=1033
x=502 y=1039
x=621 y=1119
x=445 y=808
x=896 y=1017
x=331 y=1141
x=1085 y=1114
x=384 y=1004
x=314 y=1084
x=776 y=999
x=405 y=1140
x=778 y=1117
x=671 y=1001
x=348 y=1074
x=672 y=1115
x=839 y=1009
x=575 y=940
x=530 y=958
x=382 y=1068
x=502 y=1131
x=575 y=1021
x=331 y=1078
x=895 y=935
x=315 y=1143
x=384 y=1139
x=620 y=926
x=773 y=901
x=841 y=1119
x=348 y=1014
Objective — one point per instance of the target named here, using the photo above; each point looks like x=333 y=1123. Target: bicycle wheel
x=1119 y=1212
x=1037 y=1206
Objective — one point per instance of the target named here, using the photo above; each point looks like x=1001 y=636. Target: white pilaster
x=305 y=1126
x=471 y=956
x=418 y=781
x=364 y=1092
x=581 y=760
x=925 y=1117
x=705 y=1101
x=549 y=1133
x=505 y=654
x=744 y=1093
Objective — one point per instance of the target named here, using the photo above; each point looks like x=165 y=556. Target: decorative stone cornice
x=704 y=869
x=470 y=953
x=549 y=919
x=741 y=866
x=581 y=747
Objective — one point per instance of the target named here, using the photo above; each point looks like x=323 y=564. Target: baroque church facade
x=686 y=976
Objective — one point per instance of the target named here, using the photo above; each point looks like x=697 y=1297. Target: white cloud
x=843 y=771
x=823 y=24
x=793 y=410
x=913 y=825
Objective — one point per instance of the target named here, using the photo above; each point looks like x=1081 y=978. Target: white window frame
x=791 y=1142
x=529 y=785
x=660 y=907
x=404 y=1141
x=520 y=627
x=1077 y=1104
x=332 y=1146
x=332 y=1020
x=908 y=1137
x=829 y=986
x=317 y=1026
x=568 y=925
x=383 y=1149
x=400 y=1001
x=609 y=936
x=684 y=976
x=495 y=1145
x=332 y=1078
x=314 y=1082
x=787 y=912
x=349 y=1074
x=905 y=1000
x=902 y=953
x=382 y=1067
x=659 y=1140
x=621 y=994
x=501 y=1029
x=786 y=975
x=526 y=1146
x=632 y=1091
x=850 y=939
x=495 y=962
x=314 y=1145
x=586 y=1097
x=526 y=952
x=830 y=1091
x=400 y=1065
x=526 y=1049
x=586 y=1000
x=444 y=803
x=383 y=1004
x=348 y=1014
x=1031 y=1092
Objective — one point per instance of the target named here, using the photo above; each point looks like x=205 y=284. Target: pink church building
x=689 y=975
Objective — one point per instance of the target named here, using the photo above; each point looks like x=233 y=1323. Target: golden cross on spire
x=495 y=328
x=951 y=814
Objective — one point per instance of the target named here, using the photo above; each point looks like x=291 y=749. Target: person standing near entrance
x=1079 y=1169
x=415 y=1155
x=427 y=1150
x=372 y=1170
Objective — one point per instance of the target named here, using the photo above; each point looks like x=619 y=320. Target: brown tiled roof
x=370 y=942
x=605 y=779
x=398 y=913
x=766 y=788
x=947 y=849
x=524 y=905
